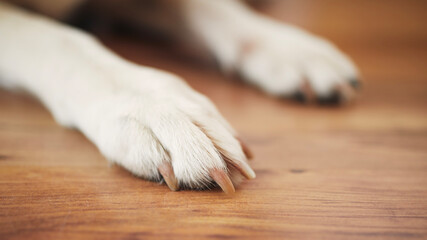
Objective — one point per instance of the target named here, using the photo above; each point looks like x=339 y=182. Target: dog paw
x=288 y=62
x=285 y=61
x=280 y=59
x=171 y=134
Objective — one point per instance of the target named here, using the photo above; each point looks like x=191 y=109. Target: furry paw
x=285 y=61
x=170 y=133
x=280 y=59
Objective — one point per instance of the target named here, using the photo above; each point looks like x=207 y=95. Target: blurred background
x=386 y=39
x=323 y=172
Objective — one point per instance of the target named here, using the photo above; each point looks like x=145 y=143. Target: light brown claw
x=246 y=150
x=242 y=167
x=308 y=92
x=166 y=171
x=222 y=179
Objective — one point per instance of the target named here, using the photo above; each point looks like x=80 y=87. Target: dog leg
x=148 y=121
x=280 y=59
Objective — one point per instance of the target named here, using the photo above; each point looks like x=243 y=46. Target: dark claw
x=333 y=99
x=299 y=97
x=355 y=83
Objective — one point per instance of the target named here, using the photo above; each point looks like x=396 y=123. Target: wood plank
x=358 y=172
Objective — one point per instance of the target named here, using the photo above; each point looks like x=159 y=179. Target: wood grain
x=358 y=172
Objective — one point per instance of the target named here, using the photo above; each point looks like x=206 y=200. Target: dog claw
x=307 y=92
x=356 y=83
x=242 y=167
x=245 y=148
x=347 y=92
x=333 y=99
x=166 y=171
x=222 y=179
x=299 y=97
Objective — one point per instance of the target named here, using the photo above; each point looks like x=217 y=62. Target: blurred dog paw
x=288 y=62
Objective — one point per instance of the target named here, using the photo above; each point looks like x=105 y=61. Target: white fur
x=137 y=116
x=140 y=117
x=278 y=58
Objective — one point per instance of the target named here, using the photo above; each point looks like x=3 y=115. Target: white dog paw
x=285 y=61
x=280 y=59
x=172 y=134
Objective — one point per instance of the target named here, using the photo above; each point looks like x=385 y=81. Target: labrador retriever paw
x=280 y=59
x=170 y=133
x=288 y=62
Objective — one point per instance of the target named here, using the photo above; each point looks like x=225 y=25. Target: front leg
x=148 y=121
x=280 y=59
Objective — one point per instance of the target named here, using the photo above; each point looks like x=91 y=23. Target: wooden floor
x=357 y=172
